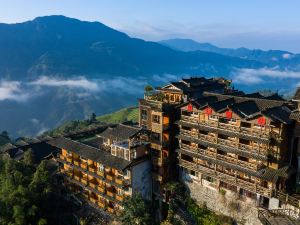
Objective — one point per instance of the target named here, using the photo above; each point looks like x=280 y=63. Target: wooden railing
x=231 y=179
x=215 y=124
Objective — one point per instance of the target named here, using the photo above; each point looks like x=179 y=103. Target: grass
x=126 y=114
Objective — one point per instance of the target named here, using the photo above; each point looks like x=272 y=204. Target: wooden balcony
x=68 y=159
x=109 y=177
x=157 y=177
x=119 y=180
x=230 y=179
x=110 y=209
x=102 y=204
x=94 y=199
x=92 y=168
x=76 y=162
x=61 y=157
x=110 y=193
x=101 y=189
x=120 y=197
x=93 y=184
x=83 y=165
x=157 y=160
x=84 y=181
x=76 y=177
x=100 y=173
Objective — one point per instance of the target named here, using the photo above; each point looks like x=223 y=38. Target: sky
x=264 y=24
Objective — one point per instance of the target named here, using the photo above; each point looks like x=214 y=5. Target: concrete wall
x=141 y=179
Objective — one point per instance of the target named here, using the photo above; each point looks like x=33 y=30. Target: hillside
x=120 y=116
x=127 y=114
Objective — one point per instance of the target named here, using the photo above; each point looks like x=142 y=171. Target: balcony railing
x=231 y=179
x=119 y=180
x=101 y=189
x=120 y=197
x=109 y=177
x=110 y=193
x=227 y=126
x=110 y=209
x=93 y=200
x=102 y=204
x=84 y=181
x=93 y=184
x=92 y=168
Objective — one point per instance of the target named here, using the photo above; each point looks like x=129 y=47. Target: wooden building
x=239 y=143
x=107 y=167
x=157 y=113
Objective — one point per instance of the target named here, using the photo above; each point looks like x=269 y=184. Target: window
x=144 y=114
x=113 y=150
x=101 y=168
x=213 y=117
x=127 y=154
x=156 y=119
x=172 y=98
x=155 y=136
x=133 y=154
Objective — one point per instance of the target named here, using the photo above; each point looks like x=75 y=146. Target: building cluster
x=195 y=130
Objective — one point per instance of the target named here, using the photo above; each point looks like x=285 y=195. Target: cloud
x=287 y=56
x=256 y=76
x=79 y=82
x=11 y=90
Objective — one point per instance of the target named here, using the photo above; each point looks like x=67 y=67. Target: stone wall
x=244 y=211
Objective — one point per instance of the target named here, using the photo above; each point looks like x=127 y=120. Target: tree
x=148 y=88
x=136 y=211
x=29 y=157
x=93 y=118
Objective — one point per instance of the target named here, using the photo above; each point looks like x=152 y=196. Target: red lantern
x=228 y=114
x=261 y=121
x=190 y=107
x=208 y=111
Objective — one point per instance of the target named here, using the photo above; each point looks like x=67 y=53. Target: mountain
x=278 y=58
x=55 y=69
x=64 y=46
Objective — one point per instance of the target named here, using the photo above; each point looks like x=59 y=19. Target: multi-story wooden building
x=158 y=113
x=106 y=167
x=238 y=143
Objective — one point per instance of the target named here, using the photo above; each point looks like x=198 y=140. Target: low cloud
x=79 y=82
x=12 y=90
x=256 y=76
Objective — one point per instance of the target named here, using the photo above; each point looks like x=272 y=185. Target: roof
x=295 y=115
x=89 y=152
x=246 y=106
x=297 y=95
x=120 y=132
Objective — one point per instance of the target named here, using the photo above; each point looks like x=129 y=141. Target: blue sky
x=261 y=24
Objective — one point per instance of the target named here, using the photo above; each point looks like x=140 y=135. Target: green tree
x=29 y=157
x=148 y=88
x=136 y=211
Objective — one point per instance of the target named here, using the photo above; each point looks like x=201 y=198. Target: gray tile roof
x=297 y=95
x=89 y=152
x=120 y=132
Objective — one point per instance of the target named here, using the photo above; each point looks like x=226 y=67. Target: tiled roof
x=295 y=115
x=120 y=132
x=297 y=95
x=89 y=152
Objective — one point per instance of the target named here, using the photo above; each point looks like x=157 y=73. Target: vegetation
x=127 y=114
x=200 y=215
x=24 y=190
x=4 y=138
x=137 y=211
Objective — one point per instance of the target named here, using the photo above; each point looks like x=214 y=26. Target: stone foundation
x=243 y=211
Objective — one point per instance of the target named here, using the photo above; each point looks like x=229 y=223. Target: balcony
x=93 y=184
x=101 y=188
x=61 y=157
x=77 y=177
x=68 y=159
x=93 y=199
x=76 y=162
x=102 y=204
x=120 y=197
x=110 y=209
x=156 y=160
x=83 y=165
x=119 y=180
x=100 y=173
x=109 y=177
x=157 y=177
x=84 y=180
x=110 y=193
x=92 y=168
